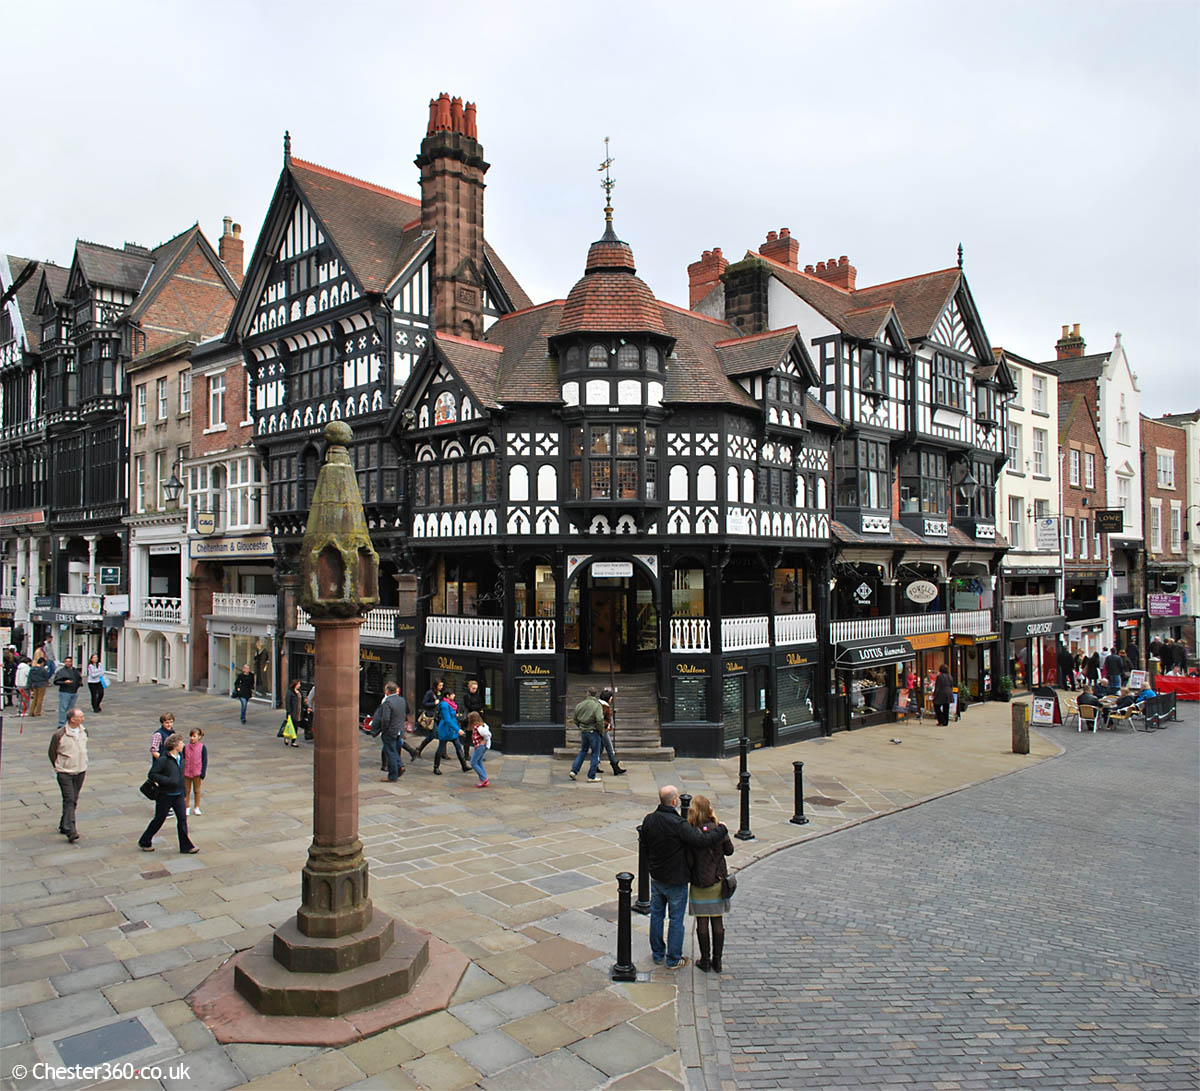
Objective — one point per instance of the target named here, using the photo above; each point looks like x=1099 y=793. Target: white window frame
x=1068 y=537
x=1124 y=493
x=1039 y=394
x=1016 y=378
x=1165 y=462
x=1089 y=470
x=139 y=483
x=139 y=405
x=1176 y=526
x=216 y=401
x=1040 y=443
x=1016 y=511
x=1122 y=423
x=1012 y=445
x=1083 y=539
x=160 y=396
x=1074 y=458
x=1156 y=538
x=160 y=475
x=249 y=420
x=185 y=392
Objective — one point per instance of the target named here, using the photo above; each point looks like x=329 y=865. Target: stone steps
x=637 y=736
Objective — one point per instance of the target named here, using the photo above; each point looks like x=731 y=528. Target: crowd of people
x=1112 y=668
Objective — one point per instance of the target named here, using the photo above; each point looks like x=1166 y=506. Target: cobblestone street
x=1036 y=931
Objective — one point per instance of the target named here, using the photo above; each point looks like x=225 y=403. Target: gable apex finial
x=287 y=146
x=960 y=252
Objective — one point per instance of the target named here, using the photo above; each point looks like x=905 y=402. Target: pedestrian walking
x=21 y=682
x=166 y=727
x=195 y=769
x=293 y=703
x=706 y=896
x=68 y=754
x=1114 y=669
x=167 y=774
x=388 y=723
x=310 y=712
x=481 y=743
x=96 y=681
x=606 y=736
x=943 y=694
x=666 y=836
x=39 y=680
x=427 y=718
x=589 y=718
x=448 y=731
x=243 y=687
x=68 y=679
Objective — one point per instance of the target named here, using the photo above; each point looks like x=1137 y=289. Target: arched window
x=706 y=484
x=652 y=358
x=628 y=357
x=518 y=485
x=597 y=356
x=678 y=483
x=445 y=411
x=731 y=487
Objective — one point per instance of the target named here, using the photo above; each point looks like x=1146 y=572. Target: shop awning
x=869 y=653
x=1038 y=626
x=977 y=638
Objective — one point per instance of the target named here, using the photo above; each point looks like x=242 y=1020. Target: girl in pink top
x=195 y=768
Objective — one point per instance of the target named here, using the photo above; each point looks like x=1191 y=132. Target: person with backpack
x=589 y=718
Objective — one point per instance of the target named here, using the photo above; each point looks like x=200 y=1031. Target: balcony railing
x=534 y=636
x=8 y=602
x=262 y=607
x=465 y=634
x=80 y=604
x=378 y=622
x=913 y=624
x=1026 y=606
x=863 y=628
x=795 y=629
x=971 y=622
x=691 y=635
x=739 y=634
x=165 y=611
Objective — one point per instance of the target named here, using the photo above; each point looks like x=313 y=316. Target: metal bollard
x=744 y=833
x=798 y=818
x=685 y=803
x=624 y=969
x=642 y=905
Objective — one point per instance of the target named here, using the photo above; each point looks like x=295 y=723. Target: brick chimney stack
x=781 y=247
x=1070 y=346
x=704 y=275
x=839 y=273
x=452 y=169
x=231 y=249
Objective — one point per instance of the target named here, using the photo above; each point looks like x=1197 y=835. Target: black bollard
x=642 y=905
x=685 y=803
x=743 y=749
x=798 y=818
x=624 y=969
x=744 y=833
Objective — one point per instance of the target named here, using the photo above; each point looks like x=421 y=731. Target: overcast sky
x=1057 y=141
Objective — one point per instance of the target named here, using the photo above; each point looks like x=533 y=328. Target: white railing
x=1027 y=606
x=796 y=629
x=380 y=622
x=911 y=624
x=465 y=634
x=691 y=635
x=8 y=602
x=739 y=634
x=303 y=621
x=259 y=606
x=534 y=636
x=863 y=628
x=163 y=610
x=972 y=622
x=80 y=604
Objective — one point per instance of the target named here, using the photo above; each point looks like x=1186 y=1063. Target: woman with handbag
x=293 y=705
x=711 y=886
x=167 y=774
x=427 y=717
x=96 y=681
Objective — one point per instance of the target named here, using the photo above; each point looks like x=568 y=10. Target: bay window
x=924 y=485
x=613 y=462
x=862 y=474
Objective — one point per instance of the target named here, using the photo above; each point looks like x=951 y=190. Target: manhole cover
x=107 y=1043
x=823 y=801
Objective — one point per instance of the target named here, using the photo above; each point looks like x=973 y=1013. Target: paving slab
x=491 y=1051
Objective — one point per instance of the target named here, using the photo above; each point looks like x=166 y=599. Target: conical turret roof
x=610 y=297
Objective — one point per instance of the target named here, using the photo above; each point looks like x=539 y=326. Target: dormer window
x=985 y=403
x=597 y=356
x=949 y=383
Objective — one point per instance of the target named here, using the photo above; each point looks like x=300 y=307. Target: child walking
x=481 y=741
x=195 y=769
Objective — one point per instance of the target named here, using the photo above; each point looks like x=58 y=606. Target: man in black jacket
x=666 y=835
x=388 y=721
x=943 y=695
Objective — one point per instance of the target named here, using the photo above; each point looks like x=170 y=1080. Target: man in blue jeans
x=666 y=836
x=589 y=718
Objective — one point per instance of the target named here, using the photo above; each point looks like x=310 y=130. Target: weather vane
x=607 y=184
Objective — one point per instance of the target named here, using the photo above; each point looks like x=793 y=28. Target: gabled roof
x=514 y=291
x=1067 y=409
x=167 y=259
x=477 y=364
x=56 y=279
x=124 y=269
x=25 y=297
x=816 y=413
x=1076 y=368
x=757 y=352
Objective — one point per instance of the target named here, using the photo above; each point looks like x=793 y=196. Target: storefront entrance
x=870 y=681
x=610 y=620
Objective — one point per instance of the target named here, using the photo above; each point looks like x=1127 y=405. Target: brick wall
x=195 y=302
x=1078 y=501
x=1156 y=436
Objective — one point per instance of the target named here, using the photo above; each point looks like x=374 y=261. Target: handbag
x=288 y=731
x=149 y=789
x=728 y=886
x=104 y=681
x=425 y=721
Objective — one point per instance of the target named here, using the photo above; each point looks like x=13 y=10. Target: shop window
x=687 y=593
x=691 y=700
x=795 y=696
x=792 y=591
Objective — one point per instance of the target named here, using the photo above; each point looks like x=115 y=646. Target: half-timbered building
x=346 y=285
x=617 y=490
x=906 y=370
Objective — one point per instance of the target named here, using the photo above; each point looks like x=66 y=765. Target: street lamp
x=173 y=488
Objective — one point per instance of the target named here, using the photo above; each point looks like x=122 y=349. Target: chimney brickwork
x=781 y=247
x=1070 y=346
x=704 y=275
x=231 y=250
x=840 y=273
x=452 y=169
x=746 y=295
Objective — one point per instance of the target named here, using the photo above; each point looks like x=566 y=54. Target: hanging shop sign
x=1165 y=605
x=1023 y=630
x=110 y=574
x=929 y=640
x=1109 y=520
x=921 y=591
x=1046 y=535
x=862 y=593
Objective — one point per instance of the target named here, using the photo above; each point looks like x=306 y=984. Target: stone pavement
x=1039 y=931
x=519 y=877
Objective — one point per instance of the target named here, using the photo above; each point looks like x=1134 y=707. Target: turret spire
x=607 y=186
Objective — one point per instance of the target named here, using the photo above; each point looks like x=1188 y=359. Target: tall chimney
x=231 y=249
x=839 y=273
x=1070 y=345
x=705 y=274
x=452 y=169
x=781 y=247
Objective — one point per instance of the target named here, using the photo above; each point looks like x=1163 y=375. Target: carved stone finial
x=287 y=146
x=339 y=566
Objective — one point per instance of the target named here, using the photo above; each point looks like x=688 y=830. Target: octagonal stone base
x=331 y=976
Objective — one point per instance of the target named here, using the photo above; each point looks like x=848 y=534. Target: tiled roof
x=609 y=297
x=508 y=282
x=27 y=293
x=1180 y=418
x=1075 y=368
x=125 y=269
x=758 y=352
x=478 y=364
x=166 y=260
x=527 y=372
x=694 y=372
x=371 y=226
x=818 y=414
x=867 y=323
x=57 y=280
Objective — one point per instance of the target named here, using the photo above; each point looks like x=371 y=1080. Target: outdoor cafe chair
x=1088 y=714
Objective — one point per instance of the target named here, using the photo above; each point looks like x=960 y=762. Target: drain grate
x=107 y=1043
x=823 y=801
